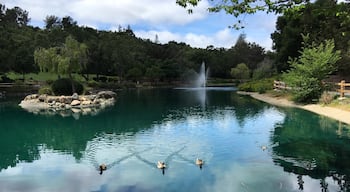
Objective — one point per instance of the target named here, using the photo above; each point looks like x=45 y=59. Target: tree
x=68 y=23
x=154 y=73
x=52 y=22
x=15 y=16
x=65 y=60
x=323 y=19
x=314 y=64
x=238 y=8
x=240 y=72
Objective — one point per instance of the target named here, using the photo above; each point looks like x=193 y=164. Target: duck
x=102 y=168
x=263 y=147
x=199 y=162
x=161 y=165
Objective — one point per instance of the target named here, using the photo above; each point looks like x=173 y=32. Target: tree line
x=116 y=53
x=120 y=53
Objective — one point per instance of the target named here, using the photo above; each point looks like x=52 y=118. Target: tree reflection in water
x=309 y=146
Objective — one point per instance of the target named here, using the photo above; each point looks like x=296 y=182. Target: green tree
x=154 y=73
x=241 y=71
x=314 y=64
x=65 y=60
x=239 y=8
x=134 y=73
x=322 y=20
x=51 y=22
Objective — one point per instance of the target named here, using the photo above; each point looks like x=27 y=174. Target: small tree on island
x=241 y=71
x=308 y=71
x=64 y=60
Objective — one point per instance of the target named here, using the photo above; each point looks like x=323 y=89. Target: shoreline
x=337 y=114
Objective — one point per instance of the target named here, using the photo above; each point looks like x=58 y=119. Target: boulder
x=75 y=103
x=86 y=102
x=31 y=97
x=75 y=96
x=50 y=99
x=42 y=98
x=106 y=94
x=65 y=99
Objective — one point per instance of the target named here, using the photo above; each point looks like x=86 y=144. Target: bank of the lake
x=334 y=113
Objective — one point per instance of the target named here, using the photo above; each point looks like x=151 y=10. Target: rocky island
x=68 y=105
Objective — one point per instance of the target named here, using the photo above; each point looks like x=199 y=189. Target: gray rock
x=42 y=98
x=75 y=103
x=75 y=96
x=106 y=94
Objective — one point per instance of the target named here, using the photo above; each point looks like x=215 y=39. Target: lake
x=246 y=145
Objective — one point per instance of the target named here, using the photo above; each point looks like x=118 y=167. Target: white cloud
x=150 y=17
x=112 y=12
x=224 y=38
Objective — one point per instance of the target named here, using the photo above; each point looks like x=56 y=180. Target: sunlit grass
x=41 y=76
x=343 y=104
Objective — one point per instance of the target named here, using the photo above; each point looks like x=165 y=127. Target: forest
x=123 y=55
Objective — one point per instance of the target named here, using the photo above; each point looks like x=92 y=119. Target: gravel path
x=334 y=113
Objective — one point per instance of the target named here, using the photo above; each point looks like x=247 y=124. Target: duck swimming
x=161 y=165
x=199 y=162
x=102 y=168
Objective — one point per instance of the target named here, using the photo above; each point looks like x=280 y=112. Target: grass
x=41 y=76
x=343 y=104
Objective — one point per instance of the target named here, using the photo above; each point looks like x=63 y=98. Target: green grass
x=343 y=104
x=42 y=76
x=261 y=85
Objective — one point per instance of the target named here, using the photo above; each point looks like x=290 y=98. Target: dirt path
x=337 y=114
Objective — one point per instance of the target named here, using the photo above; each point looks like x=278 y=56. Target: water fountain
x=202 y=77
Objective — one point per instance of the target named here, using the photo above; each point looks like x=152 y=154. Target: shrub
x=260 y=86
x=64 y=87
x=45 y=90
x=49 y=82
x=5 y=79
x=307 y=71
x=326 y=98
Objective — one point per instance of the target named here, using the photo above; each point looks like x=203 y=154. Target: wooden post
x=342 y=88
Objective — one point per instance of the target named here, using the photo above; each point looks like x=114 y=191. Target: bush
x=64 y=87
x=49 y=82
x=45 y=90
x=5 y=79
x=326 y=98
x=260 y=86
x=308 y=71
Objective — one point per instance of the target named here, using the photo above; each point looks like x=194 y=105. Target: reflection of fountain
x=202 y=77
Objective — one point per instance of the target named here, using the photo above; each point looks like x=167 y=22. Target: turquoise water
x=304 y=151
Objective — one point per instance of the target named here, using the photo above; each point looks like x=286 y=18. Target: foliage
x=239 y=8
x=241 y=71
x=261 y=85
x=134 y=73
x=6 y=79
x=62 y=60
x=45 y=90
x=264 y=69
x=314 y=64
x=65 y=48
x=322 y=20
x=63 y=86
x=326 y=98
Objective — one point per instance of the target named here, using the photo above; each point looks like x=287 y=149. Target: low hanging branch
x=238 y=8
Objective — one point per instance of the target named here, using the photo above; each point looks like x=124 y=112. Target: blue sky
x=149 y=18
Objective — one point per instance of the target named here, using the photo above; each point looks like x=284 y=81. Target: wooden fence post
x=342 y=88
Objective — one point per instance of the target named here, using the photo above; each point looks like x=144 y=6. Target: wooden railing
x=343 y=89
x=280 y=85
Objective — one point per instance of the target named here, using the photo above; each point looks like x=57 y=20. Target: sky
x=148 y=18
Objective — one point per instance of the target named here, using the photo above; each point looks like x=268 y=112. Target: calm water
x=304 y=151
